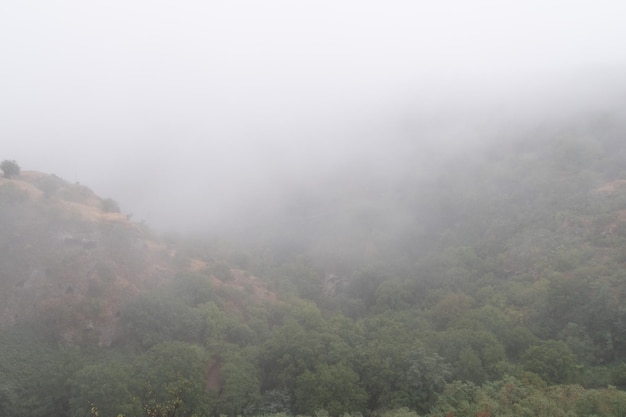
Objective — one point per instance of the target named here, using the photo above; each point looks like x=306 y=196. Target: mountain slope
x=70 y=259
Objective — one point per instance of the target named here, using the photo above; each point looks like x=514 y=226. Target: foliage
x=240 y=386
x=335 y=389
x=553 y=361
x=493 y=290
x=426 y=377
x=33 y=372
x=513 y=397
x=172 y=375
x=153 y=321
x=9 y=168
x=108 y=386
x=110 y=206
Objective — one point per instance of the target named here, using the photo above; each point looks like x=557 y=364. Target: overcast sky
x=178 y=108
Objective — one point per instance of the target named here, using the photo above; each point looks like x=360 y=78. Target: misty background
x=197 y=115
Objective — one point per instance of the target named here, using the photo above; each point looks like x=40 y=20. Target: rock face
x=332 y=283
x=68 y=261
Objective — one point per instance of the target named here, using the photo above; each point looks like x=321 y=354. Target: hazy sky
x=180 y=110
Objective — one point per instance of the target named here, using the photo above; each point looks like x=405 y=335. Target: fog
x=193 y=115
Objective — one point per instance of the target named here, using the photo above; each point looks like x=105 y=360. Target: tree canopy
x=10 y=168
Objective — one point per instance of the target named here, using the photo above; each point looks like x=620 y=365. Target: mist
x=201 y=117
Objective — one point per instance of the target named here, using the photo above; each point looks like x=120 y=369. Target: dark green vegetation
x=9 y=168
x=494 y=286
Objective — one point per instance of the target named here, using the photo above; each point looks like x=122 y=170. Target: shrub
x=110 y=206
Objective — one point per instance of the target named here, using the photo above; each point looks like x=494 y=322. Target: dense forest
x=491 y=283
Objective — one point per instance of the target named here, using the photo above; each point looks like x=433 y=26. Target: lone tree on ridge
x=9 y=168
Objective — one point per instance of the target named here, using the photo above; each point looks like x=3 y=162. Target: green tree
x=426 y=377
x=239 y=389
x=273 y=402
x=605 y=402
x=172 y=376
x=8 y=398
x=106 y=386
x=302 y=343
x=335 y=389
x=9 y=168
x=33 y=373
x=475 y=355
x=552 y=361
x=382 y=366
x=152 y=319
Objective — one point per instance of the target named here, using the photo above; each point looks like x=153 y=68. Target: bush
x=110 y=206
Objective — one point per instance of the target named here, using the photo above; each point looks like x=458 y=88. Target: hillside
x=491 y=285
x=70 y=259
